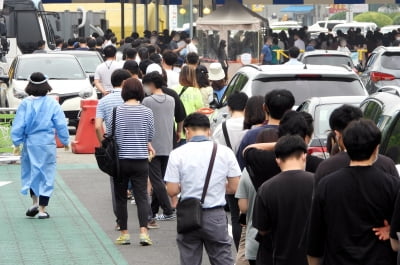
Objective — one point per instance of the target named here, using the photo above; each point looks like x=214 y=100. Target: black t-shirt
x=395 y=224
x=342 y=159
x=262 y=166
x=347 y=205
x=313 y=163
x=282 y=207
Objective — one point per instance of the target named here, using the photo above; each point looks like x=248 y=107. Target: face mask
x=147 y=90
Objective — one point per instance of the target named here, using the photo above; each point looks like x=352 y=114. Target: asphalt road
x=92 y=188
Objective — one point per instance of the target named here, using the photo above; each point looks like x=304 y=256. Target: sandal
x=44 y=215
x=33 y=211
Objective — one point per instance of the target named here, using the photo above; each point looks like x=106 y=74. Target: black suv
x=384 y=109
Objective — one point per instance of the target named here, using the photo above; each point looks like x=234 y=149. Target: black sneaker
x=33 y=211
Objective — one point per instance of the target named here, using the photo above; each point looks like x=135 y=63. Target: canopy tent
x=232 y=16
x=237 y=25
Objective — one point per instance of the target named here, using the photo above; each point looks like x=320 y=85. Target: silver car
x=382 y=69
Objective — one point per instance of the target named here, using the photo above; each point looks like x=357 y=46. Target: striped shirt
x=106 y=105
x=134 y=130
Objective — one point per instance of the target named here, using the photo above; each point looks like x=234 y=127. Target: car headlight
x=87 y=92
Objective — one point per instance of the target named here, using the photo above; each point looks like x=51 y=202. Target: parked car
x=327 y=57
x=364 y=26
x=304 y=81
x=66 y=76
x=389 y=28
x=384 y=109
x=88 y=59
x=324 y=25
x=320 y=109
x=382 y=69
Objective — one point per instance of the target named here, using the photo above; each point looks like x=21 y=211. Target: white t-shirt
x=104 y=71
x=191 y=48
x=188 y=166
x=173 y=78
x=235 y=133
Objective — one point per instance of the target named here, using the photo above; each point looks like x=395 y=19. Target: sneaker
x=44 y=215
x=117 y=228
x=153 y=225
x=33 y=211
x=165 y=217
x=145 y=240
x=133 y=201
x=124 y=239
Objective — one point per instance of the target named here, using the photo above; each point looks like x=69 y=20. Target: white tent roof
x=232 y=16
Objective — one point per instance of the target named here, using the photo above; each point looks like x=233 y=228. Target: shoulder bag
x=226 y=135
x=189 y=211
x=107 y=154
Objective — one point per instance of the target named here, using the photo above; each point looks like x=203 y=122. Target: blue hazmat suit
x=35 y=124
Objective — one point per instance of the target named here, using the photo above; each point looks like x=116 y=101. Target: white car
x=324 y=25
x=364 y=26
x=304 y=81
x=66 y=76
x=390 y=28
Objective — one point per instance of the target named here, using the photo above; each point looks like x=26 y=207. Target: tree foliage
x=379 y=18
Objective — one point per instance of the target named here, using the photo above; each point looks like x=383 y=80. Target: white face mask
x=147 y=90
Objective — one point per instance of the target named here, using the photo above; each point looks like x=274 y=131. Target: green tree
x=338 y=16
x=396 y=20
x=379 y=18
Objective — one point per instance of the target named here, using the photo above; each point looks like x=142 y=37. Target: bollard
x=85 y=138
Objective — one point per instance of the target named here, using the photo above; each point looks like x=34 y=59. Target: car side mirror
x=5 y=79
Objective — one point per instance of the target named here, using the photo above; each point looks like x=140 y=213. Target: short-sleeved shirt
x=250 y=138
x=282 y=207
x=172 y=78
x=246 y=190
x=104 y=71
x=347 y=205
x=266 y=50
x=342 y=159
x=191 y=98
x=163 y=107
x=133 y=131
x=235 y=131
x=106 y=105
x=180 y=113
x=188 y=166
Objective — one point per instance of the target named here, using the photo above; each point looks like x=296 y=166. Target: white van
x=324 y=25
x=364 y=26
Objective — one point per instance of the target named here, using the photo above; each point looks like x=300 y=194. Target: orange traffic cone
x=85 y=138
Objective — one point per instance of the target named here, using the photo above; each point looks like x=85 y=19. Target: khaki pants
x=240 y=258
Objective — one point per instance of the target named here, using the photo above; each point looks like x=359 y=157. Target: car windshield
x=89 y=62
x=53 y=68
x=328 y=59
x=391 y=60
x=305 y=87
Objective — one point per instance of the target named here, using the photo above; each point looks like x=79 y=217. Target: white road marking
x=3 y=183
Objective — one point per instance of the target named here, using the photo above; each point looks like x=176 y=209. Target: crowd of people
x=352 y=40
x=287 y=207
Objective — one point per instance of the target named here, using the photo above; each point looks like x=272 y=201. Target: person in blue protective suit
x=37 y=119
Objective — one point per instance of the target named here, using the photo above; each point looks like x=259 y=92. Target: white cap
x=216 y=72
x=154 y=68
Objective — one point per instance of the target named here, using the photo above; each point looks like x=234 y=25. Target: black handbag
x=107 y=154
x=189 y=211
